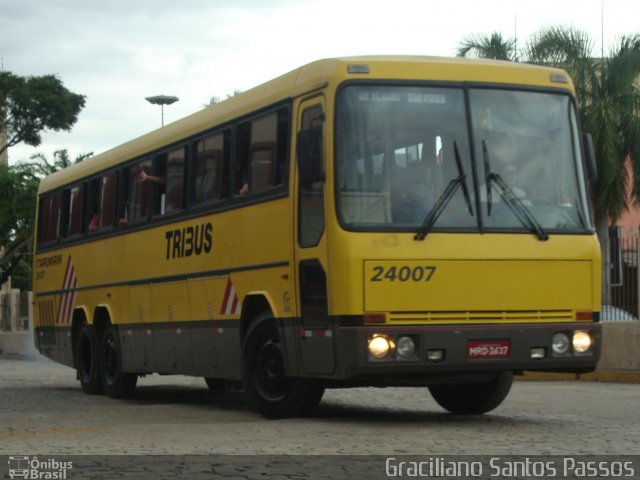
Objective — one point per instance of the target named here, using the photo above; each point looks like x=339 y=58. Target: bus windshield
x=401 y=150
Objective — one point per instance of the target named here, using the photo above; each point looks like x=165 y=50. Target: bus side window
x=156 y=183
x=262 y=153
x=174 y=175
x=211 y=168
x=49 y=218
x=137 y=205
x=102 y=203
x=74 y=210
x=108 y=185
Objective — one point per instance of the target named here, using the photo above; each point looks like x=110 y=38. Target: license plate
x=488 y=349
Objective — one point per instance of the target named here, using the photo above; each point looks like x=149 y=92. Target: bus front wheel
x=473 y=398
x=116 y=383
x=88 y=361
x=267 y=388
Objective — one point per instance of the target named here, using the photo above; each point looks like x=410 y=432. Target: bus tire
x=268 y=390
x=88 y=361
x=473 y=398
x=116 y=383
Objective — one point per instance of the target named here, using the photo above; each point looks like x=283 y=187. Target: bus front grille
x=524 y=316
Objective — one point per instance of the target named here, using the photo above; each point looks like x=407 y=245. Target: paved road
x=44 y=412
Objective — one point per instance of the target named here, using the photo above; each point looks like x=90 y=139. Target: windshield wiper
x=445 y=198
x=517 y=206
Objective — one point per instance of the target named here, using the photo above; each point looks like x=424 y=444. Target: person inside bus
x=143 y=176
x=510 y=176
x=94 y=223
x=159 y=194
x=244 y=185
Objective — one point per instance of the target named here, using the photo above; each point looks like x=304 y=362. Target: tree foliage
x=19 y=184
x=33 y=105
x=489 y=46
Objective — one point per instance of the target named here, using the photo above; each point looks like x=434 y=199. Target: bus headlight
x=582 y=341
x=560 y=343
x=405 y=347
x=379 y=346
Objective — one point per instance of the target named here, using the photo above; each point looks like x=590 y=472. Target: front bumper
x=463 y=350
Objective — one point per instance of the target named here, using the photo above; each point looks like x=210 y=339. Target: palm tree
x=61 y=160
x=490 y=46
x=608 y=95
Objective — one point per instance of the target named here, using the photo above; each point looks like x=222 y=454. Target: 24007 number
x=403 y=274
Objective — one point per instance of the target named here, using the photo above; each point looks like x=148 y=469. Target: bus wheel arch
x=79 y=319
x=473 y=398
x=252 y=306
x=101 y=320
x=267 y=387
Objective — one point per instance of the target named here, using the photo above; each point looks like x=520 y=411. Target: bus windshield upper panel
x=403 y=154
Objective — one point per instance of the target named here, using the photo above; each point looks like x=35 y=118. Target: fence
x=620 y=300
x=15 y=311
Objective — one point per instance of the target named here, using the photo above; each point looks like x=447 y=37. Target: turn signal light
x=375 y=318
x=584 y=315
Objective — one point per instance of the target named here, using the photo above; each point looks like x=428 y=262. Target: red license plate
x=488 y=349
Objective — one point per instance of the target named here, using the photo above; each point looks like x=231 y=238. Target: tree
x=32 y=105
x=491 y=46
x=61 y=160
x=608 y=95
x=215 y=99
x=19 y=185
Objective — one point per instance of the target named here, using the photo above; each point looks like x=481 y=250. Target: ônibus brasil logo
x=35 y=468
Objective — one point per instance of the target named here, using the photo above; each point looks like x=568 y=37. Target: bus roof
x=308 y=78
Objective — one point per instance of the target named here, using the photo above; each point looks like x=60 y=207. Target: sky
x=118 y=52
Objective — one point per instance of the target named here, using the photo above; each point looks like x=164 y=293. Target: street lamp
x=162 y=100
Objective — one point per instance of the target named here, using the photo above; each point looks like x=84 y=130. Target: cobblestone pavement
x=43 y=412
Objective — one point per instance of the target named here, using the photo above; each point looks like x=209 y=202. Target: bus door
x=316 y=335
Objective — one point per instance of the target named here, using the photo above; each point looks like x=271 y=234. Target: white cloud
x=118 y=52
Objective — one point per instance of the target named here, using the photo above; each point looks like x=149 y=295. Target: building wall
x=629 y=222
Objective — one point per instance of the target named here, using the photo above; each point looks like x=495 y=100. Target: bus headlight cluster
x=405 y=347
x=381 y=346
x=560 y=343
x=582 y=341
x=579 y=342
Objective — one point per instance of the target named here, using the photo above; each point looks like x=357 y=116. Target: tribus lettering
x=189 y=240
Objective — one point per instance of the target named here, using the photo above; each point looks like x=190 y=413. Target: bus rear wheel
x=88 y=361
x=473 y=398
x=268 y=390
x=116 y=383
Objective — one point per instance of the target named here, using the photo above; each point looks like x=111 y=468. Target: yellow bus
x=367 y=221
